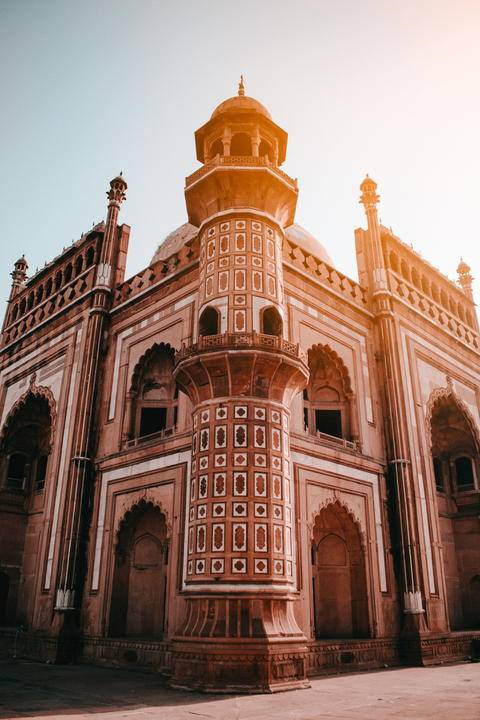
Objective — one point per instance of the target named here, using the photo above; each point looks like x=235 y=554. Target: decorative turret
x=465 y=281
x=240 y=134
x=370 y=259
x=19 y=276
x=117 y=192
x=465 y=278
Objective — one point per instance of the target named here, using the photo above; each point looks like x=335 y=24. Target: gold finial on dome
x=241 y=86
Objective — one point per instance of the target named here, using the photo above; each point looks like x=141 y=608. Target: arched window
x=434 y=291
x=328 y=407
x=58 y=280
x=271 y=322
x=23 y=305
x=265 y=149
x=444 y=299
x=14 y=313
x=154 y=394
x=415 y=278
x=405 y=270
x=68 y=272
x=209 y=321
x=78 y=265
x=30 y=301
x=394 y=262
x=90 y=256
x=241 y=144
x=425 y=285
x=26 y=446
x=216 y=148
x=48 y=287
x=40 y=294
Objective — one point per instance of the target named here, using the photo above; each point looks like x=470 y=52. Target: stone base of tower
x=239 y=644
x=238 y=666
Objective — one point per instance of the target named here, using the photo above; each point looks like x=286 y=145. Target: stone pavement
x=31 y=690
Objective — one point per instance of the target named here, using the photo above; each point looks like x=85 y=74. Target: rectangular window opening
x=329 y=422
x=152 y=420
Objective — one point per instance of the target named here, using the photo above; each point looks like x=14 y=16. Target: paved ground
x=30 y=690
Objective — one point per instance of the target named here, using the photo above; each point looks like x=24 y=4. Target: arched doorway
x=139 y=581
x=340 y=605
x=456 y=469
x=25 y=446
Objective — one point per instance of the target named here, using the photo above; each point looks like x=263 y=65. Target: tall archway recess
x=139 y=579
x=339 y=589
x=455 y=464
x=24 y=462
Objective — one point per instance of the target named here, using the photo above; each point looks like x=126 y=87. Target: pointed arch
x=139 y=582
x=135 y=507
x=448 y=394
x=454 y=445
x=34 y=391
x=342 y=504
x=152 y=400
x=340 y=601
x=145 y=360
x=336 y=361
x=329 y=402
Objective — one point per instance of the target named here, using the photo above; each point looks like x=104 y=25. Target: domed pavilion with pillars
x=240 y=467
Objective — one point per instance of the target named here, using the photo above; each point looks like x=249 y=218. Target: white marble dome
x=299 y=236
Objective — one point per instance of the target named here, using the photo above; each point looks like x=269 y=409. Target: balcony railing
x=325 y=438
x=240 y=341
x=242 y=161
x=160 y=435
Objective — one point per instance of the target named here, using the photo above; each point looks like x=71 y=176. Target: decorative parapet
x=240 y=161
x=433 y=311
x=60 y=283
x=238 y=341
x=297 y=257
x=58 y=300
x=407 y=267
x=154 y=273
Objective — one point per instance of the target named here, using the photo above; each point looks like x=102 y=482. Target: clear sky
x=386 y=87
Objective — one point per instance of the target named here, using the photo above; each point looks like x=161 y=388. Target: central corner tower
x=241 y=373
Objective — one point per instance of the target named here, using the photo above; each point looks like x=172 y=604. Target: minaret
x=70 y=580
x=241 y=373
x=398 y=451
x=19 y=276
x=465 y=281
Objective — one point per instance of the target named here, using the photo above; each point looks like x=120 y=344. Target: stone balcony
x=241 y=364
x=230 y=161
x=241 y=341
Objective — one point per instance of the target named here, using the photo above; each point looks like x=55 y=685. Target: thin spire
x=241 y=86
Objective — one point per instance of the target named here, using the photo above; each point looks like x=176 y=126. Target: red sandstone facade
x=240 y=466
